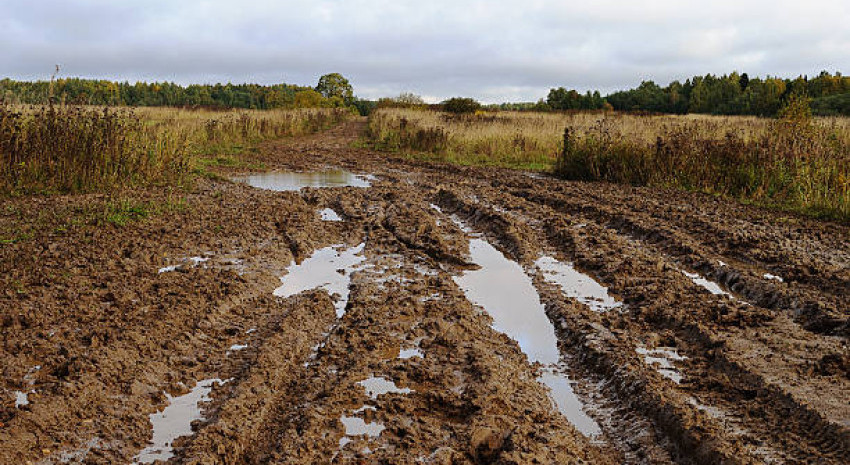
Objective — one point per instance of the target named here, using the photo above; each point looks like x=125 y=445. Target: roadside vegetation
x=793 y=162
x=72 y=149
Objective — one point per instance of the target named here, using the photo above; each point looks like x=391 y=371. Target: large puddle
x=293 y=181
x=175 y=421
x=502 y=288
x=506 y=292
x=576 y=285
x=329 y=269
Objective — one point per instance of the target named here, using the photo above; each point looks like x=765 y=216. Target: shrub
x=460 y=105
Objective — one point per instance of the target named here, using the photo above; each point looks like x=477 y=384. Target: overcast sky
x=492 y=50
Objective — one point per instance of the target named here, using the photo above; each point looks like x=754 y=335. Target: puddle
x=355 y=426
x=710 y=286
x=568 y=404
x=292 y=181
x=191 y=262
x=21 y=398
x=236 y=348
x=410 y=353
x=328 y=214
x=576 y=285
x=507 y=293
x=377 y=386
x=329 y=269
x=503 y=289
x=662 y=359
x=358 y=427
x=774 y=277
x=175 y=421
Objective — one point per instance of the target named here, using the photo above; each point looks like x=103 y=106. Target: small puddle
x=236 y=348
x=355 y=426
x=410 y=353
x=507 y=293
x=576 y=285
x=710 y=286
x=329 y=269
x=328 y=214
x=293 y=181
x=21 y=398
x=377 y=385
x=774 y=277
x=662 y=359
x=175 y=421
x=191 y=262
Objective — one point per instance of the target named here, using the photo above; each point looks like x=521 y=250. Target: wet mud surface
x=362 y=323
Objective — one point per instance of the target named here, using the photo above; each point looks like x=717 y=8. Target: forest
x=731 y=94
x=332 y=91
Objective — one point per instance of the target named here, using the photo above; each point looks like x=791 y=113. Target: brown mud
x=94 y=335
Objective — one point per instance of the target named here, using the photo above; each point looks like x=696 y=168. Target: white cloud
x=492 y=50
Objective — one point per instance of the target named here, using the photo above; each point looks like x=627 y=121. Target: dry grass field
x=795 y=163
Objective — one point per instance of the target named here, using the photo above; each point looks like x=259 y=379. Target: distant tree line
x=332 y=90
x=732 y=94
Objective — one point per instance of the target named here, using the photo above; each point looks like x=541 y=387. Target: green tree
x=335 y=85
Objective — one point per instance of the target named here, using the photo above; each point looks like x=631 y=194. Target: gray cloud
x=491 y=50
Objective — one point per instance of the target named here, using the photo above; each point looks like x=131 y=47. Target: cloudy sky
x=495 y=50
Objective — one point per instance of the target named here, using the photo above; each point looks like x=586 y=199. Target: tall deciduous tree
x=335 y=85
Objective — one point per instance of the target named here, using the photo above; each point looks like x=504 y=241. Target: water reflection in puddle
x=329 y=269
x=410 y=353
x=568 y=403
x=21 y=398
x=355 y=426
x=191 y=262
x=661 y=359
x=292 y=181
x=328 y=214
x=507 y=293
x=710 y=286
x=773 y=277
x=236 y=348
x=175 y=421
x=576 y=285
x=503 y=289
x=377 y=386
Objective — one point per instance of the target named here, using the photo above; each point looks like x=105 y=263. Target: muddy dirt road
x=423 y=314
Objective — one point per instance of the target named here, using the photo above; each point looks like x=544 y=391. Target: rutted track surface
x=766 y=374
